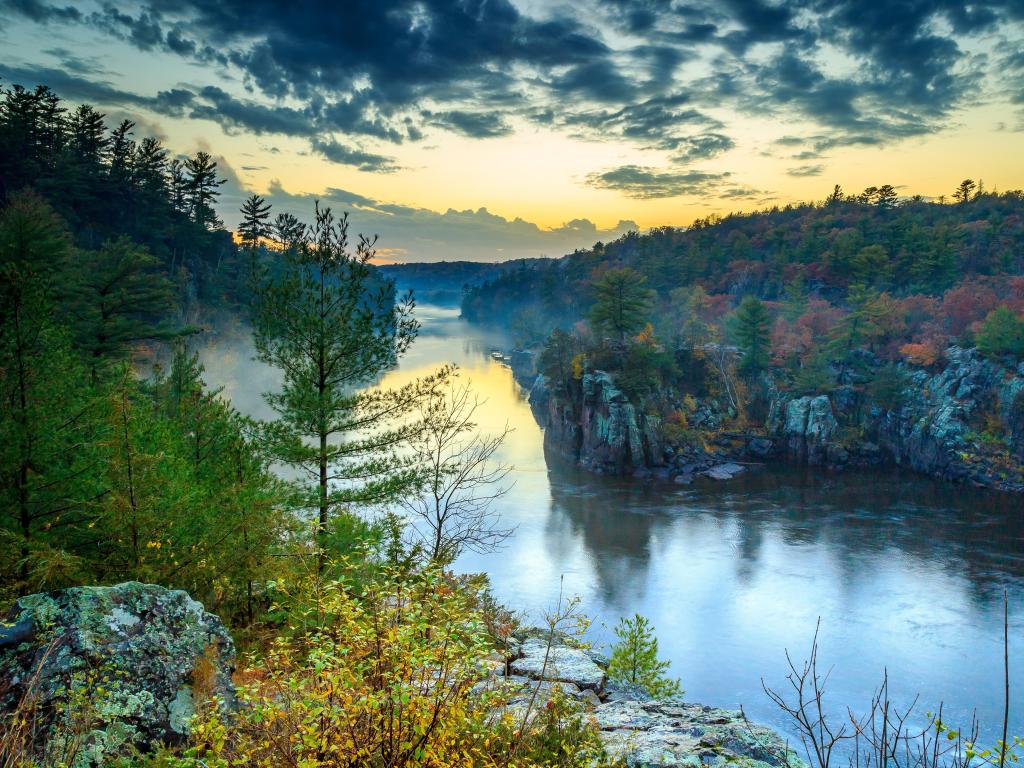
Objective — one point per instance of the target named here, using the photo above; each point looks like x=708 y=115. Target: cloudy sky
x=491 y=129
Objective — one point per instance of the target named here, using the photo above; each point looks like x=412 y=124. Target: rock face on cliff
x=120 y=666
x=963 y=423
x=809 y=428
x=605 y=432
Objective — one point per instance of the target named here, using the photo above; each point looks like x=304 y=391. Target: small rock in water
x=724 y=471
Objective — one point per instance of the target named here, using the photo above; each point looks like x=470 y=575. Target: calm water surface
x=905 y=573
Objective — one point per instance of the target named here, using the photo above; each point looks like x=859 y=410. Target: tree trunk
x=321 y=527
x=24 y=514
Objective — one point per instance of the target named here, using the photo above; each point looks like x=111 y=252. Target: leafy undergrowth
x=384 y=674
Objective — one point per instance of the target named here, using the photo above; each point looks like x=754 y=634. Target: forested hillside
x=940 y=261
x=720 y=328
x=106 y=182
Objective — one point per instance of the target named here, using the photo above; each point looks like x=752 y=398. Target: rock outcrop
x=604 y=432
x=635 y=729
x=809 y=428
x=142 y=657
x=660 y=734
x=964 y=423
x=563 y=664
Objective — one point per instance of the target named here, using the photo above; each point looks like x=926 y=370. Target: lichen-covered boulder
x=662 y=734
x=123 y=665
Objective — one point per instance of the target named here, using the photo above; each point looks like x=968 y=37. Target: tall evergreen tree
x=622 y=303
x=48 y=438
x=201 y=189
x=751 y=329
x=319 y=320
x=118 y=296
x=964 y=191
x=253 y=227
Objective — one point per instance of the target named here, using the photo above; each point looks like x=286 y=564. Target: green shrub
x=635 y=659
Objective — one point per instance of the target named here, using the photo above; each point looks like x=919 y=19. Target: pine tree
x=318 y=319
x=855 y=328
x=255 y=212
x=888 y=387
x=556 y=359
x=622 y=303
x=151 y=504
x=795 y=302
x=964 y=191
x=116 y=297
x=122 y=149
x=288 y=231
x=149 y=168
x=88 y=139
x=49 y=433
x=177 y=184
x=201 y=189
x=1001 y=334
x=635 y=660
x=751 y=328
x=814 y=377
x=886 y=197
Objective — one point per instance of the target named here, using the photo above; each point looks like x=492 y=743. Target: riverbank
x=963 y=423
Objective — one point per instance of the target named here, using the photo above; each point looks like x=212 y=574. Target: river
x=905 y=573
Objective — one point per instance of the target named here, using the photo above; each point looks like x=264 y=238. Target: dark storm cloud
x=861 y=73
x=213 y=103
x=345 y=155
x=646 y=183
x=599 y=81
x=702 y=147
x=659 y=122
x=40 y=11
x=76 y=87
x=476 y=125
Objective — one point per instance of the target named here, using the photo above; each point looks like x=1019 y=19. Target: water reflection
x=905 y=573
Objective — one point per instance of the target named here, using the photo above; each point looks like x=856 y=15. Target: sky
x=496 y=129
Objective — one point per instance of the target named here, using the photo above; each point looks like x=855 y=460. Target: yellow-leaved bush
x=385 y=678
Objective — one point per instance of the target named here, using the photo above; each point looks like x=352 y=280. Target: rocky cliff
x=602 y=430
x=963 y=423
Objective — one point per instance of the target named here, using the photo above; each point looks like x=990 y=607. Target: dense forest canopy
x=112 y=470
x=108 y=182
x=931 y=270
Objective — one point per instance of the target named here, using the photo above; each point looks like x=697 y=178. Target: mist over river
x=906 y=573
